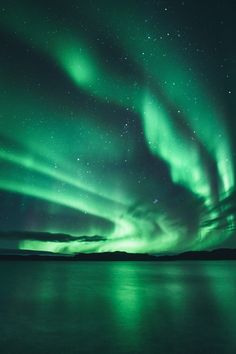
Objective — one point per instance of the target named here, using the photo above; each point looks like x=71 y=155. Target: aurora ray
x=114 y=114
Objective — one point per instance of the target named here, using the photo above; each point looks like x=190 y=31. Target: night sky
x=117 y=125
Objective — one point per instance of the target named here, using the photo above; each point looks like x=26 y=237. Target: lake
x=118 y=307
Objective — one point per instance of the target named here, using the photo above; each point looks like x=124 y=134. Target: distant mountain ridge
x=217 y=254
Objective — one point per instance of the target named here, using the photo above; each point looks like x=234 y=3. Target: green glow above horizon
x=90 y=156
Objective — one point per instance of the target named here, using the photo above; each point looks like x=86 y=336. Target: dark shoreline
x=218 y=254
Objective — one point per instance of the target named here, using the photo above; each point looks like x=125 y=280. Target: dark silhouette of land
x=25 y=255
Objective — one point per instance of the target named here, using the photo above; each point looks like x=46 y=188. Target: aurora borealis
x=117 y=125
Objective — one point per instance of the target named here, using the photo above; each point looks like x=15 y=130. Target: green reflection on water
x=118 y=307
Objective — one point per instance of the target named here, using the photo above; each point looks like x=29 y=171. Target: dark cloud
x=48 y=237
x=226 y=214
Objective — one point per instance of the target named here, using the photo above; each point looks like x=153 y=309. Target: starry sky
x=117 y=125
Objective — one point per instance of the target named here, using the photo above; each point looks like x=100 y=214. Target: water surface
x=118 y=307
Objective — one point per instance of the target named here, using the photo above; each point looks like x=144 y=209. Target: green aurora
x=111 y=127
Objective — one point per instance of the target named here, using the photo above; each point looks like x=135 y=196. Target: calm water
x=118 y=307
